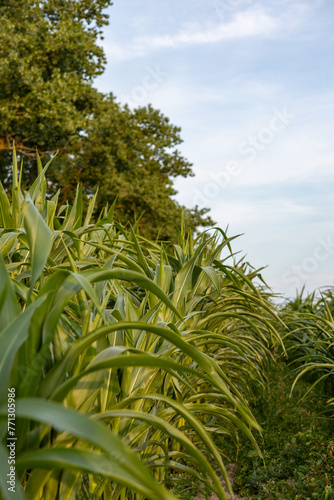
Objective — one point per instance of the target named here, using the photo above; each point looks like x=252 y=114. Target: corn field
x=309 y=339
x=126 y=355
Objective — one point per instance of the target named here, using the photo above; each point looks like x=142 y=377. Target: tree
x=49 y=56
x=48 y=60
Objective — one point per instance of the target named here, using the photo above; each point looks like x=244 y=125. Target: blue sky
x=251 y=85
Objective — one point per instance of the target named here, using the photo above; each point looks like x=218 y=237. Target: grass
x=297 y=444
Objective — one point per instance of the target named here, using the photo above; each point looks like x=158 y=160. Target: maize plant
x=310 y=339
x=125 y=356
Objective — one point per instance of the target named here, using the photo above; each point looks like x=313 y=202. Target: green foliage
x=49 y=57
x=48 y=60
x=297 y=445
x=293 y=410
x=310 y=339
x=126 y=356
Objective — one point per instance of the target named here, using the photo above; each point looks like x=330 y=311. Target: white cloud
x=250 y=23
x=260 y=20
x=254 y=22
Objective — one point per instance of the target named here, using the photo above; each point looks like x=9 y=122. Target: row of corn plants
x=309 y=339
x=125 y=356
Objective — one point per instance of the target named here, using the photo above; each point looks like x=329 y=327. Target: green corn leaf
x=90 y=461
x=6 y=219
x=39 y=237
x=65 y=419
x=9 y=308
x=7 y=242
x=38 y=188
x=138 y=278
x=11 y=339
x=179 y=436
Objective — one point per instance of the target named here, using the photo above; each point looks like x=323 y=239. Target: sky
x=251 y=84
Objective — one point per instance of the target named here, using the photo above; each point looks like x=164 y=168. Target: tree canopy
x=49 y=57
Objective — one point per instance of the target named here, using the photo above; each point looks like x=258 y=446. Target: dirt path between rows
x=231 y=468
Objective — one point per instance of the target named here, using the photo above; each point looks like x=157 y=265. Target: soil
x=231 y=468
